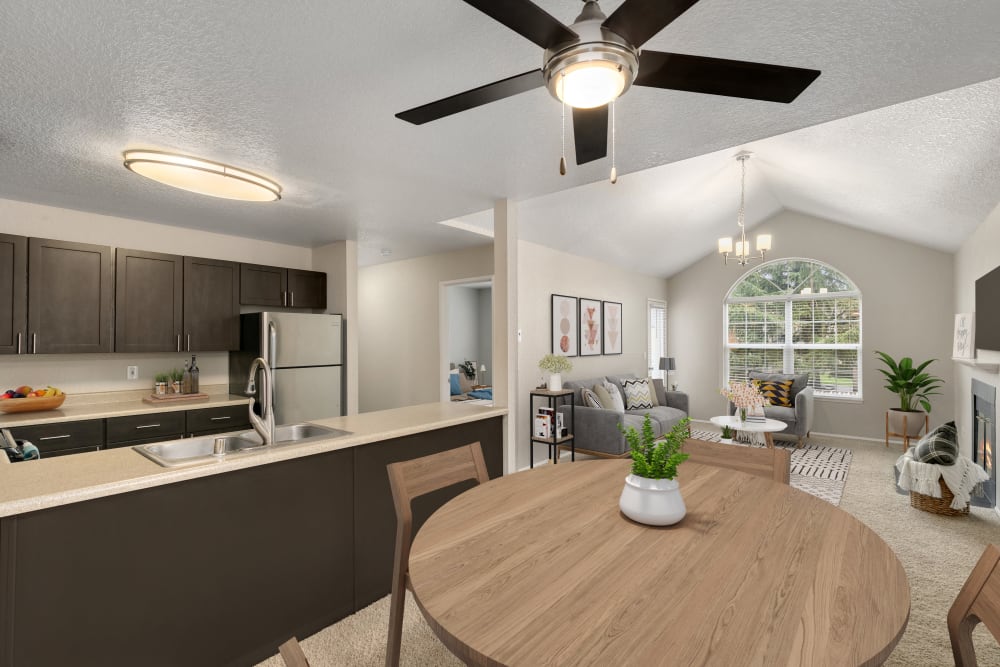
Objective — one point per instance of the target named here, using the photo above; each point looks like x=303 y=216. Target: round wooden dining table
x=541 y=568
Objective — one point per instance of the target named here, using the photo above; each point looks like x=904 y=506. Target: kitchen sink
x=190 y=451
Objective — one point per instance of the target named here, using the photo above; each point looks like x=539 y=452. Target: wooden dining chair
x=409 y=480
x=292 y=654
x=774 y=464
x=977 y=602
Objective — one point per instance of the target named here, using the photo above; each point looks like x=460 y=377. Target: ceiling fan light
x=590 y=84
x=201 y=176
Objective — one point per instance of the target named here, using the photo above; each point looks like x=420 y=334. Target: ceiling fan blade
x=476 y=97
x=526 y=19
x=716 y=76
x=590 y=134
x=638 y=20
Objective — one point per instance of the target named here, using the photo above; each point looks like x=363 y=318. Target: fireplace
x=984 y=434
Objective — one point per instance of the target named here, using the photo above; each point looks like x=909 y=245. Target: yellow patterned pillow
x=777 y=392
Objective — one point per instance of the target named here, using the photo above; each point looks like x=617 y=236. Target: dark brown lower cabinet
x=217 y=570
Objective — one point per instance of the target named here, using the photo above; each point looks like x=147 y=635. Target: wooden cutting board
x=174 y=398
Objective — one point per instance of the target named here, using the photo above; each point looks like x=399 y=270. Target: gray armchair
x=798 y=418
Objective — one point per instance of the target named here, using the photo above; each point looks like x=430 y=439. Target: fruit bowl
x=32 y=403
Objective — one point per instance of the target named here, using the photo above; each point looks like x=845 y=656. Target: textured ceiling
x=305 y=92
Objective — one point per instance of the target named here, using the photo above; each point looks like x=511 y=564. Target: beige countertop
x=36 y=485
x=118 y=404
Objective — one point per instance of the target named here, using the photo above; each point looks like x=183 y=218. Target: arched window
x=796 y=316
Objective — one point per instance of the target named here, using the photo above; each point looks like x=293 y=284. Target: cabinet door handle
x=148 y=426
x=178 y=342
x=219 y=419
x=292 y=298
x=189 y=342
x=54 y=437
x=284 y=298
x=19 y=342
x=34 y=343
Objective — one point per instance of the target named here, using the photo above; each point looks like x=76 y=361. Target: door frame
x=443 y=320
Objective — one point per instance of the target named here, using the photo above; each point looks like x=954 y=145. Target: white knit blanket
x=962 y=478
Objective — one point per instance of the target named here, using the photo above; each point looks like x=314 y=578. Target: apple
x=24 y=389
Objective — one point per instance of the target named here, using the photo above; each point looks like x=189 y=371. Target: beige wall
x=106 y=372
x=340 y=262
x=542 y=272
x=977 y=256
x=907 y=310
x=398 y=325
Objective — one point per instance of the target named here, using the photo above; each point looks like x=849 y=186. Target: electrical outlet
x=132 y=373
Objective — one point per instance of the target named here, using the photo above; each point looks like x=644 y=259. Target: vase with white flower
x=555 y=365
x=744 y=396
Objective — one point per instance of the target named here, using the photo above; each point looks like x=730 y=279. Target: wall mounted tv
x=988 y=311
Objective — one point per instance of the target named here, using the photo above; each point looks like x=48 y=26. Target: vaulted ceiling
x=305 y=92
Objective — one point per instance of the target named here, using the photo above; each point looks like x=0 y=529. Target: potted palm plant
x=652 y=495
x=556 y=365
x=727 y=436
x=914 y=387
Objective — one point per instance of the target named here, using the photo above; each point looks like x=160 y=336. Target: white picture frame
x=964 y=346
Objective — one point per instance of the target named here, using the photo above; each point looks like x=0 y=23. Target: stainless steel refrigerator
x=304 y=352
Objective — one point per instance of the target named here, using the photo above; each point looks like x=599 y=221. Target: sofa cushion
x=636 y=420
x=652 y=392
x=617 y=380
x=603 y=396
x=664 y=418
x=780 y=413
x=590 y=399
x=637 y=394
x=939 y=446
x=578 y=385
x=799 y=380
x=777 y=392
x=456 y=389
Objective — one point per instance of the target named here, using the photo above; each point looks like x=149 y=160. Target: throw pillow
x=453 y=380
x=652 y=392
x=464 y=383
x=637 y=394
x=799 y=380
x=617 y=403
x=939 y=446
x=590 y=399
x=603 y=396
x=777 y=392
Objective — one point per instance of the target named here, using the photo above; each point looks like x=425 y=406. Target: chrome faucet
x=264 y=425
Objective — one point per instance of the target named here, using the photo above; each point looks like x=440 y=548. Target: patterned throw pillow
x=590 y=399
x=617 y=404
x=637 y=394
x=777 y=392
x=939 y=446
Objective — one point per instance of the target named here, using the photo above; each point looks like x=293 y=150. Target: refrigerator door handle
x=272 y=331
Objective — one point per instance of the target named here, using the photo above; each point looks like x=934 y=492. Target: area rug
x=816 y=469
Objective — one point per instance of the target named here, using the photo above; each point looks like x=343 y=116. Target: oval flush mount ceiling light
x=202 y=176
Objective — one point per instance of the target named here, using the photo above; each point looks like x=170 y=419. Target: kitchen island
x=107 y=558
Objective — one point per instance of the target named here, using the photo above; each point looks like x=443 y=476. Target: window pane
x=830 y=371
x=742 y=361
x=657 y=336
x=756 y=323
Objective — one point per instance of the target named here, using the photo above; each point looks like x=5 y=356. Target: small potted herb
x=555 y=365
x=176 y=375
x=727 y=436
x=160 y=385
x=652 y=495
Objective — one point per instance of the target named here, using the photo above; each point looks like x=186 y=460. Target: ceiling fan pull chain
x=614 y=169
x=562 y=159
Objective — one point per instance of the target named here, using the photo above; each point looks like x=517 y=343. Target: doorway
x=466 y=354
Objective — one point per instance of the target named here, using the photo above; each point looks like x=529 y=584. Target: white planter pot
x=914 y=422
x=555 y=381
x=726 y=441
x=655 y=502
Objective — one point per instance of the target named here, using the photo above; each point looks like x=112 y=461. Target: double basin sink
x=202 y=450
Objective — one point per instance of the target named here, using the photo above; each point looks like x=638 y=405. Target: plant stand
x=555 y=442
x=906 y=438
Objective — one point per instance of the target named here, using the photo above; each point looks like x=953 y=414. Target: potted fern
x=651 y=494
x=555 y=365
x=914 y=388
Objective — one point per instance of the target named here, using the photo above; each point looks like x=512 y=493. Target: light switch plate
x=132 y=373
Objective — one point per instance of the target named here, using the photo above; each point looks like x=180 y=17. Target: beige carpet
x=937 y=552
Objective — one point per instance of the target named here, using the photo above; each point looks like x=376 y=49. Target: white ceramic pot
x=726 y=441
x=555 y=381
x=914 y=421
x=655 y=502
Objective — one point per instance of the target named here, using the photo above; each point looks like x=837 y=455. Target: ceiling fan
x=596 y=59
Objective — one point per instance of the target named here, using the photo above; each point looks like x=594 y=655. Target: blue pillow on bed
x=482 y=393
x=456 y=390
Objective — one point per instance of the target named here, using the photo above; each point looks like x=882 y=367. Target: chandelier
x=741 y=252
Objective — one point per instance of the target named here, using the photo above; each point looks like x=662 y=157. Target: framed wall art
x=565 y=330
x=611 y=331
x=590 y=327
x=965 y=336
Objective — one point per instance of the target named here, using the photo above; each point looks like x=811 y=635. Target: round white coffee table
x=767 y=427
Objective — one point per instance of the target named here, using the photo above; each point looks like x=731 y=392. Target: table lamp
x=482 y=369
x=667 y=364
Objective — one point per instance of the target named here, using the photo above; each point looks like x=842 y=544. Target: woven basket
x=940 y=505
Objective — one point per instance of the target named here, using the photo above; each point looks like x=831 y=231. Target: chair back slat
x=977 y=602
x=772 y=463
x=430 y=473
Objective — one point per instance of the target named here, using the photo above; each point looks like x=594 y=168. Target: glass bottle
x=186 y=379
x=194 y=375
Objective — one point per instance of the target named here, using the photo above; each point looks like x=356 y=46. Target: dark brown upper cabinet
x=149 y=301
x=70 y=291
x=287 y=288
x=211 y=305
x=13 y=294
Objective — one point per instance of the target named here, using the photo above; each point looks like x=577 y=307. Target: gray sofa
x=798 y=418
x=596 y=429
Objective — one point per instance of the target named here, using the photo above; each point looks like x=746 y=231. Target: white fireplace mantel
x=990 y=367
